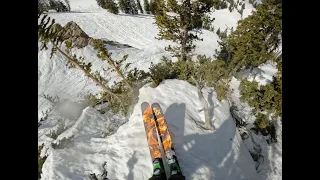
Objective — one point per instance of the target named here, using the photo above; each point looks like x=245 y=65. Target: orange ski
x=152 y=137
x=166 y=140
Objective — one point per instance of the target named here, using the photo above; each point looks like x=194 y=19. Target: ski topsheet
x=166 y=140
x=152 y=137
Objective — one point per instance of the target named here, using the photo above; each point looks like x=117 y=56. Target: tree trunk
x=184 y=35
x=207 y=117
x=76 y=64
x=185 y=22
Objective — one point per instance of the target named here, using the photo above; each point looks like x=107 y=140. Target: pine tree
x=146 y=6
x=128 y=6
x=153 y=6
x=139 y=6
x=132 y=6
x=123 y=6
x=218 y=32
x=121 y=93
x=68 y=4
x=240 y=12
x=243 y=6
x=176 y=28
x=256 y=37
x=101 y=3
x=110 y=5
x=232 y=4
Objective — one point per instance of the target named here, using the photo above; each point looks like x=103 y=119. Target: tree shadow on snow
x=131 y=163
x=210 y=155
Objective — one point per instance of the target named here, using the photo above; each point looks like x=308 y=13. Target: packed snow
x=78 y=139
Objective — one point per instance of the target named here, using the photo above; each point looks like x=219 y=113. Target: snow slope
x=202 y=154
x=140 y=30
x=220 y=154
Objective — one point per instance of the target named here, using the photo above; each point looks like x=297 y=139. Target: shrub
x=41 y=160
x=212 y=73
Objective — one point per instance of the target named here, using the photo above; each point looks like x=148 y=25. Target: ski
x=152 y=138
x=166 y=141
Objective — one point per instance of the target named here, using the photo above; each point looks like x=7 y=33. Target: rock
x=75 y=34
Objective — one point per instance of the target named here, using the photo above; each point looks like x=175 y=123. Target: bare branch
x=204 y=103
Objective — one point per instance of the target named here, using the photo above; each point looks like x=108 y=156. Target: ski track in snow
x=202 y=154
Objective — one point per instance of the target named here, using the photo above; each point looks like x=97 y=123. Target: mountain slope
x=84 y=138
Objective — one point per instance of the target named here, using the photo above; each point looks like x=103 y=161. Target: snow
x=201 y=154
x=85 y=138
x=139 y=31
x=270 y=168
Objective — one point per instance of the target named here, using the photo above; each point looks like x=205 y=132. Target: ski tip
x=155 y=104
x=144 y=105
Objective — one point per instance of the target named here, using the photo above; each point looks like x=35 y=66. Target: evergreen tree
x=146 y=6
x=218 y=32
x=240 y=12
x=232 y=4
x=68 y=4
x=123 y=6
x=132 y=6
x=176 y=28
x=139 y=6
x=243 y=6
x=110 y=5
x=128 y=6
x=58 y=6
x=153 y=6
x=41 y=7
x=220 y=4
x=101 y=3
x=256 y=37
x=61 y=7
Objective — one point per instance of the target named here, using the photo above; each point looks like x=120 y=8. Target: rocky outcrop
x=72 y=32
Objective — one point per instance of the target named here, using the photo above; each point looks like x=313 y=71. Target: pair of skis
x=154 y=123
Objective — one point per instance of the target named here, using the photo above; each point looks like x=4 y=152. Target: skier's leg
x=157 y=178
